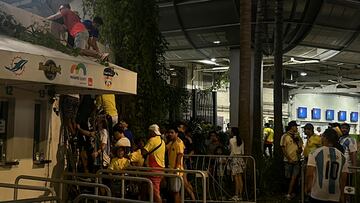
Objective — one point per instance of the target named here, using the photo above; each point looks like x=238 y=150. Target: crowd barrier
x=62 y=182
x=115 y=177
x=142 y=173
x=219 y=177
x=31 y=187
x=104 y=198
x=196 y=172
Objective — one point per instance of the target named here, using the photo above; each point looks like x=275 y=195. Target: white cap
x=155 y=128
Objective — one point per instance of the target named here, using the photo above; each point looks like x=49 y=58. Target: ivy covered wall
x=131 y=29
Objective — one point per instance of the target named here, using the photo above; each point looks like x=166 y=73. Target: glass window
x=40 y=141
x=4 y=115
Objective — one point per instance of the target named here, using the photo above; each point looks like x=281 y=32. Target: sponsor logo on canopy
x=109 y=73
x=50 y=69
x=17 y=65
x=79 y=72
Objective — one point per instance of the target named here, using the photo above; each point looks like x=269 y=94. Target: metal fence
x=98 y=179
x=220 y=174
x=31 y=187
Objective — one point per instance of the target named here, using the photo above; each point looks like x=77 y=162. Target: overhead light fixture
x=208 y=62
x=303 y=74
x=171 y=69
x=216 y=42
x=221 y=68
x=213 y=59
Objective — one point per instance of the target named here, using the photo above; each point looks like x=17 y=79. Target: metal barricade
x=30 y=187
x=104 y=198
x=39 y=199
x=219 y=171
x=96 y=176
x=142 y=173
x=68 y=182
x=355 y=183
x=201 y=173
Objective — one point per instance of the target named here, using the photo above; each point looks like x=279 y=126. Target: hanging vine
x=131 y=29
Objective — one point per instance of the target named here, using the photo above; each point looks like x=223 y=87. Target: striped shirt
x=330 y=163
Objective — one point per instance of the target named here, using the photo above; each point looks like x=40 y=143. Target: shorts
x=312 y=200
x=81 y=39
x=156 y=180
x=292 y=170
x=174 y=184
x=237 y=166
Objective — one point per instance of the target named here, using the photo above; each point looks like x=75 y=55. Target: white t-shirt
x=123 y=142
x=349 y=144
x=234 y=148
x=330 y=163
x=104 y=139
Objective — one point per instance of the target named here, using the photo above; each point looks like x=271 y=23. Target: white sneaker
x=235 y=198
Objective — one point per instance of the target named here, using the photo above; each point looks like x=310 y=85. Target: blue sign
x=302 y=112
x=342 y=115
x=330 y=115
x=354 y=116
x=316 y=113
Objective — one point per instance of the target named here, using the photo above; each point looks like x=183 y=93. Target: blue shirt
x=93 y=31
x=128 y=134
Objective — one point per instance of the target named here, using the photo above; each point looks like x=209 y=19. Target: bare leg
x=237 y=184
x=240 y=185
x=177 y=197
x=188 y=188
x=84 y=160
x=291 y=185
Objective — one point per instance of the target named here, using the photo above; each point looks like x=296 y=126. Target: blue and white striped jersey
x=330 y=163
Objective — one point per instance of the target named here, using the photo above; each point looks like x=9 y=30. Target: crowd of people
x=327 y=156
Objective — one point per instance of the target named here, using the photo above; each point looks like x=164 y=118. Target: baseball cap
x=292 y=124
x=155 y=128
x=308 y=126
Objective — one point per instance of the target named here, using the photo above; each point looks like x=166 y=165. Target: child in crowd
x=220 y=169
x=119 y=162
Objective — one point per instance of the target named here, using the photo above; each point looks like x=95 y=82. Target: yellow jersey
x=312 y=143
x=291 y=148
x=118 y=164
x=107 y=101
x=158 y=154
x=269 y=135
x=174 y=148
x=136 y=158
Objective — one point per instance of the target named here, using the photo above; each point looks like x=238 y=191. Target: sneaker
x=290 y=196
x=235 y=198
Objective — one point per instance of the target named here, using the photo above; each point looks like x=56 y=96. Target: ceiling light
x=208 y=62
x=216 y=42
x=303 y=74
x=221 y=68
x=213 y=59
x=171 y=69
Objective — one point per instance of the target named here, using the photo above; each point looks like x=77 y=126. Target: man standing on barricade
x=291 y=144
x=154 y=150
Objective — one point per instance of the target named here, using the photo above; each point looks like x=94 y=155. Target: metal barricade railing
x=30 y=187
x=201 y=173
x=218 y=169
x=104 y=198
x=62 y=182
x=97 y=176
x=355 y=181
x=142 y=173
x=38 y=199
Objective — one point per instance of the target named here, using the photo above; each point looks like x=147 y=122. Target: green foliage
x=35 y=34
x=131 y=29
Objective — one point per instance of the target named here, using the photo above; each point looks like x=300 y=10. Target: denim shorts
x=292 y=169
x=81 y=39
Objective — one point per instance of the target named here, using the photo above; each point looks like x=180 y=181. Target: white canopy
x=27 y=65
